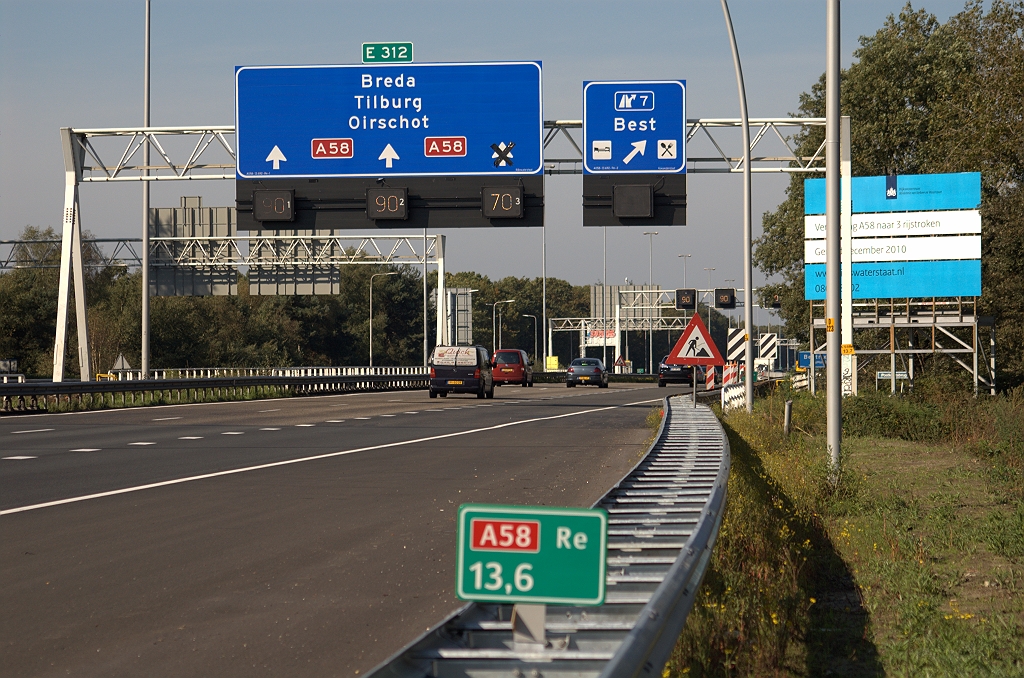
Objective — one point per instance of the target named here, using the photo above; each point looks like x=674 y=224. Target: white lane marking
x=271 y=428
x=387 y=415
x=190 y=438
x=305 y=425
x=37 y=430
x=18 y=458
x=362 y=418
x=142 y=443
x=86 y=449
x=232 y=433
x=335 y=421
x=327 y=455
x=410 y=412
x=166 y=418
x=263 y=411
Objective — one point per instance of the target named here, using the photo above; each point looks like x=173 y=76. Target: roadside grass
x=913 y=564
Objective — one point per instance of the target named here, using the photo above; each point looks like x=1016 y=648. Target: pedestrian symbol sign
x=695 y=346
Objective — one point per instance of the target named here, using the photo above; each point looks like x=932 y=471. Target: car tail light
x=570 y=370
x=476 y=373
x=433 y=374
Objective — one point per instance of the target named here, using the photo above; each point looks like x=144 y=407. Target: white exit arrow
x=276 y=156
x=389 y=155
x=638 y=147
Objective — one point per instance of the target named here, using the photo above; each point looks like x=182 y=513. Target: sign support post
x=846 y=228
x=833 y=386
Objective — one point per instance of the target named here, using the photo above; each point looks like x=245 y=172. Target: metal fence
x=208 y=383
x=664 y=517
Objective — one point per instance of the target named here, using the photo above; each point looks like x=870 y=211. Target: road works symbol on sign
x=523 y=554
x=695 y=346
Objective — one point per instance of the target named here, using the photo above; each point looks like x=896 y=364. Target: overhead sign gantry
x=411 y=145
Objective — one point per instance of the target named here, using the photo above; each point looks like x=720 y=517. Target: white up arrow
x=638 y=147
x=389 y=155
x=276 y=156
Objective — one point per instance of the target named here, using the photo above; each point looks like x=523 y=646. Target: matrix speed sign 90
x=531 y=554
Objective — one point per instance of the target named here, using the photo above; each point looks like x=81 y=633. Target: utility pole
x=145 y=205
x=833 y=319
x=748 y=270
x=650 y=312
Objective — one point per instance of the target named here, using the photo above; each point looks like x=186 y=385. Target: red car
x=512 y=366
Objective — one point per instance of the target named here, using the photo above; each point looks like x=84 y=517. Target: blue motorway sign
x=895 y=279
x=388 y=120
x=634 y=127
x=904 y=193
x=803 y=359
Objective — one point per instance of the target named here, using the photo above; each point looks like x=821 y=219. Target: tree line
x=929 y=97
x=280 y=331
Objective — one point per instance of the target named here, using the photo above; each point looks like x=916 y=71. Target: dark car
x=512 y=366
x=674 y=374
x=586 y=372
x=461 y=369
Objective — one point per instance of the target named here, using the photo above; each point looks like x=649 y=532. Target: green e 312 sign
x=523 y=554
x=387 y=52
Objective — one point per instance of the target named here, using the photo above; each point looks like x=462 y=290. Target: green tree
x=928 y=97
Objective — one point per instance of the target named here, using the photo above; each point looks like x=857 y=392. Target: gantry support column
x=71 y=265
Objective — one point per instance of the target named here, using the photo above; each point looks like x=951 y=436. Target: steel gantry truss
x=190 y=153
x=712 y=136
x=45 y=253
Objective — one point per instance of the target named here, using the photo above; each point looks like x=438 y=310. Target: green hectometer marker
x=527 y=554
x=387 y=52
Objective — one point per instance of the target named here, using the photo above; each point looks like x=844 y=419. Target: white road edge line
x=37 y=430
x=328 y=455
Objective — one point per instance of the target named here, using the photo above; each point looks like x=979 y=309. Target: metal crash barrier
x=664 y=517
x=210 y=383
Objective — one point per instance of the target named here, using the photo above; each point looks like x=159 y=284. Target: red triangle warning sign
x=695 y=346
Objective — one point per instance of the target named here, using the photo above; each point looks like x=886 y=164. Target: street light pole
x=748 y=270
x=371 y=310
x=650 y=312
x=712 y=297
x=527 y=315
x=494 y=330
x=684 y=257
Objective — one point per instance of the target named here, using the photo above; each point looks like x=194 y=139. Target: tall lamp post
x=684 y=257
x=650 y=316
x=527 y=315
x=494 y=330
x=371 y=310
x=711 y=290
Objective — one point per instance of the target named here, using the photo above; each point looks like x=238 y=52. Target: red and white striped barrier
x=730 y=374
x=710 y=378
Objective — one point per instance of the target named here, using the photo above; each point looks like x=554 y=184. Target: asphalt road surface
x=301 y=537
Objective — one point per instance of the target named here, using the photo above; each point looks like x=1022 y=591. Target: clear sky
x=79 y=64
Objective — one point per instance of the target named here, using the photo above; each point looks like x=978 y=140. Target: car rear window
x=452 y=356
x=509 y=358
x=586 y=363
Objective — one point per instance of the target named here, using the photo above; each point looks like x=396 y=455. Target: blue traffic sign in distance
x=634 y=127
x=394 y=120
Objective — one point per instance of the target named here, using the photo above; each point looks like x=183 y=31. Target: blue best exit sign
x=634 y=127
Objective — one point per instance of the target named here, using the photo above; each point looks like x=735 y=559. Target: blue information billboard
x=921 y=234
x=634 y=127
x=904 y=193
x=389 y=120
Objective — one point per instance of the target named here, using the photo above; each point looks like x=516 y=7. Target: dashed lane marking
x=166 y=418
x=305 y=425
x=362 y=418
x=263 y=411
x=387 y=415
x=335 y=421
x=35 y=430
x=410 y=412
x=142 y=443
x=328 y=455
x=190 y=438
x=232 y=433
x=86 y=449
x=18 y=458
x=271 y=428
